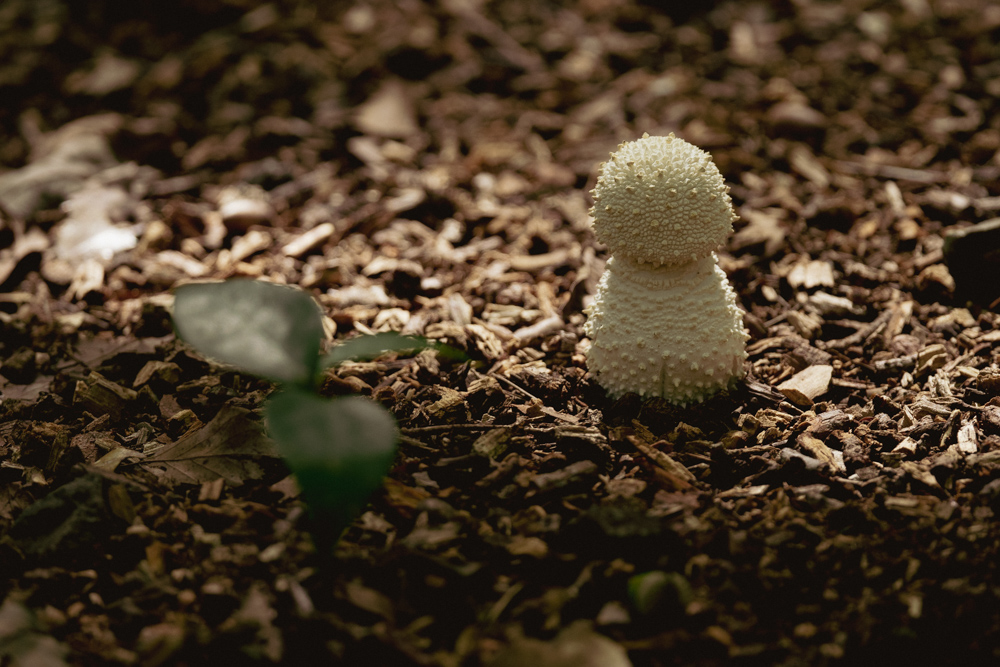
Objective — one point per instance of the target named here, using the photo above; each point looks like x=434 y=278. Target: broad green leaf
x=339 y=450
x=269 y=330
x=364 y=348
x=370 y=347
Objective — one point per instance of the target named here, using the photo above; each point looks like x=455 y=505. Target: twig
x=437 y=428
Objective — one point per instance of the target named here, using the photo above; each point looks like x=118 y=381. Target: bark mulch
x=425 y=168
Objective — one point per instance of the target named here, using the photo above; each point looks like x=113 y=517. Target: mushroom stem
x=666 y=330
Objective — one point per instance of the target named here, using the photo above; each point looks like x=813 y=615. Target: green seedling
x=658 y=591
x=338 y=449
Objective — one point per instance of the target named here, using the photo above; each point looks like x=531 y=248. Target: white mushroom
x=664 y=321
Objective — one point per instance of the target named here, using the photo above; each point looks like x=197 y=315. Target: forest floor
x=425 y=168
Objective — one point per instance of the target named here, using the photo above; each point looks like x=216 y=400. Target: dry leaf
x=228 y=447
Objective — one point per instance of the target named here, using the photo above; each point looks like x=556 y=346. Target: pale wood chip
x=819 y=450
x=806 y=385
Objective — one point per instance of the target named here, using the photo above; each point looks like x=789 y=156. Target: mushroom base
x=674 y=332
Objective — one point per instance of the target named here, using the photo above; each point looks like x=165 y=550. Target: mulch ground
x=425 y=168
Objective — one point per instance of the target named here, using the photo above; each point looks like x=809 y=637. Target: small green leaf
x=659 y=591
x=266 y=329
x=370 y=347
x=338 y=449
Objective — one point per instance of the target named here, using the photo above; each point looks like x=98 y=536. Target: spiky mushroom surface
x=664 y=321
x=661 y=200
x=675 y=333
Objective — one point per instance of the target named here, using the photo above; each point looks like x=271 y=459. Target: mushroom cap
x=661 y=200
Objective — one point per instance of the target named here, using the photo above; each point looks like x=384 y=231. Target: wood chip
x=907 y=447
x=308 y=240
x=492 y=444
x=663 y=460
x=819 y=450
x=810 y=274
x=807 y=325
x=966 y=438
x=806 y=385
x=564 y=476
x=100 y=396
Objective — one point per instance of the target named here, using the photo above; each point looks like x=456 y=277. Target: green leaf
x=370 y=347
x=270 y=330
x=659 y=591
x=339 y=450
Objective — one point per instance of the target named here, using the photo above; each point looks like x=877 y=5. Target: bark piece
x=818 y=449
x=811 y=273
x=663 y=460
x=387 y=113
x=907 y=447
x=99 y=396
x=806 y=385
x=450 y=407
x=990 y=419
x=966 y=438
x=20 y=366
x=806 y=324
x=163 y=374
x=309 y=240
x=562 y=477
x=792 y=117
x=973 y=258
x=988 y=381
x=492 y=444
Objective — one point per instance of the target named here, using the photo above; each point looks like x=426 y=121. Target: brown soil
x=425 y=168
